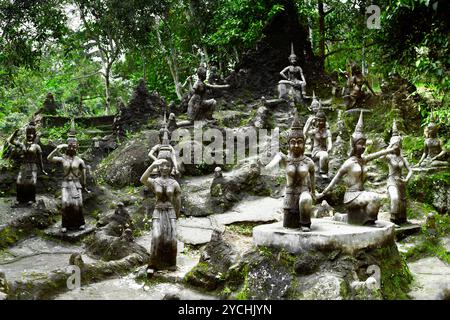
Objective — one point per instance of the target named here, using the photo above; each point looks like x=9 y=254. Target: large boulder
x=125 y=165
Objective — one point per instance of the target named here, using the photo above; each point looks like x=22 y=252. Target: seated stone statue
x=293 y=88
x=200 y=108
x=362 y=206
x=163 y=253
x=74 y=181
x=300 y=180
x=321 y=141
x=31 y=158
x=433 y=150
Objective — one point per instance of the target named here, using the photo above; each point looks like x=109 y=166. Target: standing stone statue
x=198 y=107
x=362 y=206
x=163 y=253
x=294 y=85
x=320 y=136
x=31 y=159
x=74 y=181
x=300 y=180
x=396 y=184
x=434 y=148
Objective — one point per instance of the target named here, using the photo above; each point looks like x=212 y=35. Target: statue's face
x=72 y=148
x=320 y=123
x=297 y=146
x=201 y=74
x=293 y=60
x=30 y=136
x=164 y=168
x=360 y=147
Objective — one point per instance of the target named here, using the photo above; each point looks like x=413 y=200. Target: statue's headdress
x=165 y=150
x=395 y=134
x=320 y=114
x=296 y=130
x=72 y=134
x=31 y=127
x=358 y=134
x=292 y=55
x=315 y=103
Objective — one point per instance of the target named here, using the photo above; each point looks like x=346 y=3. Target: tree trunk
x=107 y=89
x=321 y=33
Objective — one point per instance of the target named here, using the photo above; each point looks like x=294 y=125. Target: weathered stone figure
x=396 y=184
x=300 y=180
x=31 y=159
x=362 y=206
x=434 y=148
x=74 y=181
x=198 y=107
x=321 y=141
x=294 y=85
x=163 y=253
x=355 y=82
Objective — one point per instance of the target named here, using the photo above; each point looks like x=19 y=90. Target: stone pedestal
x=325 y=234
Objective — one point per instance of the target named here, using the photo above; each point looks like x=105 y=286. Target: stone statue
x=300 y=180
x=321 y=140
x=362 y=206
x=31 y=159
x=165 y=151
x=355 y=82
x=74 y=181
x=294 y=85
x=167 y=209
x=198 y=107
x=396 y=184
x=172 y=125
x=434 y=148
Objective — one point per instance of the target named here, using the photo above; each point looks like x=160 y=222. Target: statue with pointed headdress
x=31 y=158
x=74 y=181
x=396 y=183
x=300 y=180
x=293 y=87
x=321 y=140
x=434 y=150
x=362 y=206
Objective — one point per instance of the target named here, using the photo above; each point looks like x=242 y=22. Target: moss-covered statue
x=300 y=180
x=434 y=152
x=396 y=184
x=200 y=108
x=293 y=87
x=74 y=181
x=320 y=136
x=362 y=206
x=163 y=252
x=31 y=158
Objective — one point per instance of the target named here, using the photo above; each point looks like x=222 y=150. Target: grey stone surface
x=70 y=235
x=127 y=288
x=432 y=277
x=324 y=233
x=194 y=230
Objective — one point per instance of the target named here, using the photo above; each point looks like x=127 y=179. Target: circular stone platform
x=324 y=234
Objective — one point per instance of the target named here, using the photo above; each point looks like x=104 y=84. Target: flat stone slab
x=126 y=288
x=252 y=209
x=432 y=277
x=70 y=235
x=324 y=233
x=194 y=231
x=406 y=230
